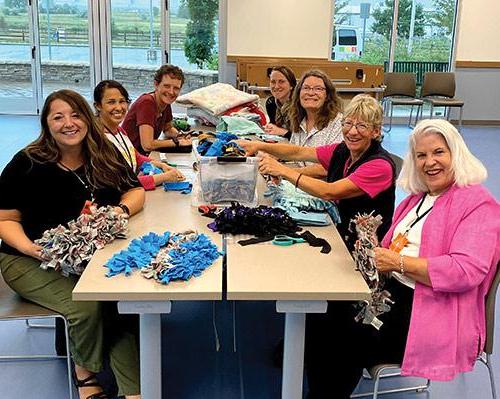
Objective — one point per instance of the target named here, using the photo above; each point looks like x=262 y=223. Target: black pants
x=338 y=348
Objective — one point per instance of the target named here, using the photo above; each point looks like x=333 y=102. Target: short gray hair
x=466 y=168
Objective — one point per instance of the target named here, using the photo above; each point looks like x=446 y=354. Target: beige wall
x=283 y=28
x=479 y=31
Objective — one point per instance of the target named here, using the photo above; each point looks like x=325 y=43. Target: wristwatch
x=124 y=208
x=176 y=141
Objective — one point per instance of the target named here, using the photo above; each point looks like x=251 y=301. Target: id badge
x=398 y=243
x=86 y=208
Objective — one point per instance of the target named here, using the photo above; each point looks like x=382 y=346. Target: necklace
x=87 y=186
x=418 y=217
x=122 y=144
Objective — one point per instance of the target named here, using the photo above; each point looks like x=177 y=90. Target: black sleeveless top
x=381 y=204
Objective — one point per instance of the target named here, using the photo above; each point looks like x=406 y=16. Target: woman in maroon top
x=151 y=113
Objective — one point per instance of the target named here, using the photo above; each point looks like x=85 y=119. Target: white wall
x=479 y=31
x=280 y=28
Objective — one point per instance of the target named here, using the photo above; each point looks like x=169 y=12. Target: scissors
x=285 y=241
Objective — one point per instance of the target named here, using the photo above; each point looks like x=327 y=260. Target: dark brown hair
x=103 y=165
x=329 y=110
x=287 y=72
x=171 y=70
x=109 y=84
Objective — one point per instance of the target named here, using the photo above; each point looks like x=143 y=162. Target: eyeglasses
x=360 y=127
x=316 y=89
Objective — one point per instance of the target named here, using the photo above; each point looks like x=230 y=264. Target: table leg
x=293 y=357
x=150 y=343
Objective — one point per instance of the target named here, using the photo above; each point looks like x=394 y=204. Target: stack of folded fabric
x=208 y=104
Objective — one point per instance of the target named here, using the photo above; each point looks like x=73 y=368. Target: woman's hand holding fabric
x=33 y=250
x=387 y=260
x=270 y=166
x=271 y=128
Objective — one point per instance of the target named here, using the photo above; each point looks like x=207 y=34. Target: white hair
x=466 y=168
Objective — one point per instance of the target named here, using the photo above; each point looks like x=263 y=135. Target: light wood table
x=301 y=280
x=163 y=211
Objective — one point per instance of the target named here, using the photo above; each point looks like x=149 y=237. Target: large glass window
x=425 y=36
x=356 y=36
x=64 y=46
x=16 y=58
x=136 y=43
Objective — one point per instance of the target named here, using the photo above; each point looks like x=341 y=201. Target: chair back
x=490 y=312
x=439 y=84
x=398 y=161
x=400 y=84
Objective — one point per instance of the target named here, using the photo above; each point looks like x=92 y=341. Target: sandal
x=90 y=381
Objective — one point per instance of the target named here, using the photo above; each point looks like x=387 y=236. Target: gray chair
x=13 y=307
x=401 y=89
x=438 y=90
x=398 y=162
x=377 y=371
x=485 y=357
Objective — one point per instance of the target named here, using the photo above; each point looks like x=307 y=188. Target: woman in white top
x=315 y=113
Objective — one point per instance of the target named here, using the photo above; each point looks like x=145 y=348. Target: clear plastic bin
x=226 y=179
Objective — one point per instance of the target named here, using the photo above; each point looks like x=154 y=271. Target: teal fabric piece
x=295 y=201
x=238 y=125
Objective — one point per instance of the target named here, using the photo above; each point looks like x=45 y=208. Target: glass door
x=136 y=43
x=17 y=56
x=63 y=29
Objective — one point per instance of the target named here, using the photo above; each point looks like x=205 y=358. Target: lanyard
x=123 y=144
x=419 y=217
x=87 y=186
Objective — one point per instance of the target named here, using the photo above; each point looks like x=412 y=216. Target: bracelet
x=124 y=208
x=297 y=181
x=401 y=265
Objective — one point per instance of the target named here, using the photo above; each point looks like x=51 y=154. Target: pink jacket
x=460 y=239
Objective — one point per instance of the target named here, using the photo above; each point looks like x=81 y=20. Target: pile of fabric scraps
x=226 y=190
x=238 y=125
x=166 y=257
x=69 y=249
x=210 y=103
x=301 y=206
x=185 y=187
x=147 y=168
x=366 y=227
x=218 y=145
x=264 y=222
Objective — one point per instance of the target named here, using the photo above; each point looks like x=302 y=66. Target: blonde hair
x=368 y=109
x=466 y=168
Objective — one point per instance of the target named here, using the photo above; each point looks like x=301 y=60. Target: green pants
x=96 y=330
